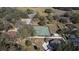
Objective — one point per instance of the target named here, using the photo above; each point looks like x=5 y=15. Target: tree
x=76 y=17
x=42 y=20
x=8 y=45
x=28 y=43
x=25 y=31
x=50 y=17
x=29 y=11
x=66 y=47
x=4 y=11
x=48 y=11
x=12 y=14
x=1 y=25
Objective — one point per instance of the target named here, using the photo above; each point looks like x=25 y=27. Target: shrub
x=28 y=43
x=29 y=11
x=48 y=11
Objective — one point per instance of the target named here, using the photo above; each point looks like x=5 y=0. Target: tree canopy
x=48 y=11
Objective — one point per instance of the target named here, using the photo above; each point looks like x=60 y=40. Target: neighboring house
x=15 y=30
x=53 y=42
x=12 y=33
x=26 y=21
x=29 y=20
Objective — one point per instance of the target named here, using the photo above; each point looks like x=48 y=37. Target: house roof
x=27 y=21
x=11 y=34
x=41 y=31
x=15 y=30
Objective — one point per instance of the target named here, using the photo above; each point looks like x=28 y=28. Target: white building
x=26 y=21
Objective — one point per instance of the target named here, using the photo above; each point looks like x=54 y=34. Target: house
x=29 y=19
x=14 y=29
x=51 y=44
x=12 y=33
x=26 y=21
